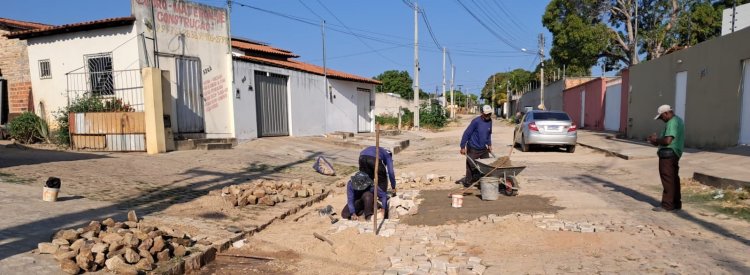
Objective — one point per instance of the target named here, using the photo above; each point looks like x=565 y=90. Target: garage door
x=271 y=104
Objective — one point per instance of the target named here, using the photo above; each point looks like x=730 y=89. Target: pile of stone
x=412 y=180
x=404 y=204
x=122 y=247
x=268 y=192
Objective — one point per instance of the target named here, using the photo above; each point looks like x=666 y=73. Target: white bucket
x=458 y=200
x=489 y=186
x=50 y=194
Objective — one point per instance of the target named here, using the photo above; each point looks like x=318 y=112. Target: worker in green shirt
x=671 y=143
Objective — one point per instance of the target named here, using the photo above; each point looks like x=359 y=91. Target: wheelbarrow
x=508 y=175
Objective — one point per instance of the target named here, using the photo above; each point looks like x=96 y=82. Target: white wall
x=386 y=104
x=310 y=112
x=245 y=118
x=65 y=53
x=342 y=113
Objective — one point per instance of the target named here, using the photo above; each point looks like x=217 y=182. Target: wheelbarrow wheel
x=511 y=187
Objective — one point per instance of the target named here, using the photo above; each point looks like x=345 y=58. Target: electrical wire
x=481 y=22
x=358 y=38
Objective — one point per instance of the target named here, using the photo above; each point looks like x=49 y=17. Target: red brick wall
x=14 y=63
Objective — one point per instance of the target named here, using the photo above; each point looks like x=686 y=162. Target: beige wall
x=386 y=104
x=712 y=108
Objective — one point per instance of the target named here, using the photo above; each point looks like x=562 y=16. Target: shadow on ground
x=25 y=237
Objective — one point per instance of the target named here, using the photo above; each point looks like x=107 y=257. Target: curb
x=622 y=156
x=719 y=182
x=195 y=261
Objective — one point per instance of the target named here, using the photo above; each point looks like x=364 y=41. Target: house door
x=612 y=108
x=745 y=119
x=271 y=104
x=583 y=108
x=680 y=94
x=364 y=120
x=190 y=116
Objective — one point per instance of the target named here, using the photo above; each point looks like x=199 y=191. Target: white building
x=211 y=89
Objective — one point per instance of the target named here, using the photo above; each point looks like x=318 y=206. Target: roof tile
x=306 y=67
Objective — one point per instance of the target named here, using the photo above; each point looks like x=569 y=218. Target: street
x=540 y=231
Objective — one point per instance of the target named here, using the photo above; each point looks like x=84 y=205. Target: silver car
x=547 y=128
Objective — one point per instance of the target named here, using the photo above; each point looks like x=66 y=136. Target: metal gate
x=271 y=104
x=190 y=117
x=363 y=110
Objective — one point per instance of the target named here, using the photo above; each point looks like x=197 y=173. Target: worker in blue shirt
x=477 y=142
x=359 y=197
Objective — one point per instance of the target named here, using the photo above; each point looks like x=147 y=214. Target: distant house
x=276 y=95
x=553 y=94
x=595 y=104
x=15 y=94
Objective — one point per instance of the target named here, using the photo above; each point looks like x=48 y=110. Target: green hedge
x=28 y=128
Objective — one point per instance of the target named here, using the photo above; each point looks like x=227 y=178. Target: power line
x=486 y=11
x=358 y=38
x=498 y=36
x=311 y=11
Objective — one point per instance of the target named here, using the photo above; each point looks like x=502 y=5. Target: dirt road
x=546 y=229
x=587 y=188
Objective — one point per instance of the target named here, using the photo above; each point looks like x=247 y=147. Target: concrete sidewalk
x=721 y=168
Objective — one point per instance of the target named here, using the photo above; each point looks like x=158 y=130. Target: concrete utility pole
x=541 y=76
x=453 y=72
x=734 y=13
x=325 y=73
x=493 y=94
x=444 y=99
x=507 y=99
x=416 y=66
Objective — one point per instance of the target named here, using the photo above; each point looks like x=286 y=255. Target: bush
x=406 y=119
x=28 y=128
x=432 y=117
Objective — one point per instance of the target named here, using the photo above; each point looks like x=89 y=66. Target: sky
x=362 y=37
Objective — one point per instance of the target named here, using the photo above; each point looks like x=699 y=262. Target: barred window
x=99 y=67
x=45 y=70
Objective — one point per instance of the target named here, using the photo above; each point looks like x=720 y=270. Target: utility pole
x=507 y=99
x=325 y=72
x=635 y=35
x=444 y=99
x=453 y=111
x=541 y=76
x=493 y=94
x=416 y=66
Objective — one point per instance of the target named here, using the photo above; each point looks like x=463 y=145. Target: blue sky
x=364 y=37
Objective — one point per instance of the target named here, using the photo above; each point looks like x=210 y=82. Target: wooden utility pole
x=375 y=188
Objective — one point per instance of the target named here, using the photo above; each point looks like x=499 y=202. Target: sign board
x=741 y=19
x=183 y=28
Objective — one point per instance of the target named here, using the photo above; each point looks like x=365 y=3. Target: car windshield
x=551 y=116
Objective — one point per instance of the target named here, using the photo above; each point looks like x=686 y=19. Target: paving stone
x=47 y=248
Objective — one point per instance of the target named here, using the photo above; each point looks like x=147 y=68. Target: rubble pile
x=411 y=180
x=122 y=247
x=404 y=204
x=269 y=193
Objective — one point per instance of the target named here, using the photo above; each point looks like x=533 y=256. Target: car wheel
x=524 y=146
x=571 y=149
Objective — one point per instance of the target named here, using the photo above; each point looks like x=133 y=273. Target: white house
x=211 y=89
x=287 y=97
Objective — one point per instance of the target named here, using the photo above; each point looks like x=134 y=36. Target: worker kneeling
x=359 y=197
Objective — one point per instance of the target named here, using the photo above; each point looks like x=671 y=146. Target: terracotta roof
x=255 y=46
x=83 y=26
x=23 y=24
x=310 y=68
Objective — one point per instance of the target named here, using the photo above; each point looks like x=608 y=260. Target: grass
x=11 y=178
x=734 y=202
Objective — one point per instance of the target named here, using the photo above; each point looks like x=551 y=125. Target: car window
x=527 y=118
x=551 y=116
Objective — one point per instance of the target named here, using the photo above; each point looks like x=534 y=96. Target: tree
x=514 y=80
x=398 y=82
x=585 y=31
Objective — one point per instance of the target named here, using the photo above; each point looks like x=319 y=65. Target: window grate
x=99 y=67
x=45 y=70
